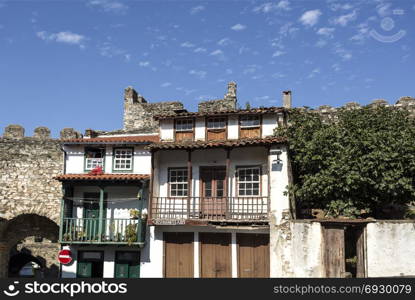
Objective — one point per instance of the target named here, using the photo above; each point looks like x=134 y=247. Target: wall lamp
x=277 y=153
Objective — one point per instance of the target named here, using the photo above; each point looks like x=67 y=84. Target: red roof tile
x=104 y=177
x=213 y=144
x=140 y=139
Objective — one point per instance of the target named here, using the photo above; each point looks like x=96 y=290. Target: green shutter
x=134 y=271
x=121 y=270
x=84 y=270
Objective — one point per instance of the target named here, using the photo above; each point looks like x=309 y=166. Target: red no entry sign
x=65 y=256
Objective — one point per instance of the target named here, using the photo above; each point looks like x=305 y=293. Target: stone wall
x=27 y=165
x=138 y=113
x=407 y=103
x=227 y=103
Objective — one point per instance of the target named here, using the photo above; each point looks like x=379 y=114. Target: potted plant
x=131 y=234
x=134 y=214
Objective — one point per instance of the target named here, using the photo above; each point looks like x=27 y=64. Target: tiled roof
x=263 y=110
x=103 y=177
x=139 y=139
x=213 y=144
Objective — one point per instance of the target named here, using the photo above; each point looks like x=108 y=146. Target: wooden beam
x=189 y=180
x=150 y=201
x=228 y=166
x=101 y=212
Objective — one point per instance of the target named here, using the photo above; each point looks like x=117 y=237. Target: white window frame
x=123 y=160
x=185 y=189
x=94 y=162
x=249 y=118
x=252 y=182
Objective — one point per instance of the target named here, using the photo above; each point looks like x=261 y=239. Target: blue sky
x=66 y=63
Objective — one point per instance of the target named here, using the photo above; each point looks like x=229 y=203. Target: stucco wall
x=390 y=248
x=75 y=160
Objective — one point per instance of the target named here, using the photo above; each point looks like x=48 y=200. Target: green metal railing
x=102 y=231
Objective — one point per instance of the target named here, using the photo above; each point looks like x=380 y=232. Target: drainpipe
x=65 y=154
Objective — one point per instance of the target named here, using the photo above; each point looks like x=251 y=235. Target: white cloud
x=310 y=17
x=278 y=53
x=336 y=67
x=262 y=98
x=250 y=69
x=229 y=71
x=326 y=31
x=196 y=9
x=218 y=54
x=107 y=49
x=269 y=7
x=199 y=50
x=383 y=9
x=224 y=42
x=238 y=27
x=65 y=37
x=109 y=5
x=342 y=52
x=187 y=45
x=144 y=64
x=288 y=29
x=362 y=33
x=345 y=19
x=321 y=43
x=338 y=6
x=313 y=73
x=165 y=84
x=200 y=74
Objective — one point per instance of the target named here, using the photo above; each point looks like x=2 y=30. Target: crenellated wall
x=27 y=168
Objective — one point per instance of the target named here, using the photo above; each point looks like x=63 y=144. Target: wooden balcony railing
x=105 y=231
x=213 y=208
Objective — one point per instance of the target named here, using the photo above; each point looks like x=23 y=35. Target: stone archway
x=21 y=227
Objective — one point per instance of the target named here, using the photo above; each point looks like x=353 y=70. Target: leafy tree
x=354 y=164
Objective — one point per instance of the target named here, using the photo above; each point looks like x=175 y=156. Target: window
x=216 y=123
x=249 y=121
x=123 y=159
x=94 y=157
x=248 y=181
x=184 y=125
x=178 y=182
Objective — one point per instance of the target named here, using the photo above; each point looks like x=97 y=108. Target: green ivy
x=352 y=165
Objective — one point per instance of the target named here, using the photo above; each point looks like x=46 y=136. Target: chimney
x=286 y=99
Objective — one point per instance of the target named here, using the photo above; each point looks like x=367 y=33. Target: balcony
x=177 y=210
x=105 y=231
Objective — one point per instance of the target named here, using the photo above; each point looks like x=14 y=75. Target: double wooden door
x=213 y=192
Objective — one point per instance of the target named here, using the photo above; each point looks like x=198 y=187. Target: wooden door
x=360 y=252
x=253 y=255
x=215 y=255
x=334 y=251
x=91 y=216
x=178 y=255
x=213 y=192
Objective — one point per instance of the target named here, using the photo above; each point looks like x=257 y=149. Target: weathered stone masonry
x=27 y=166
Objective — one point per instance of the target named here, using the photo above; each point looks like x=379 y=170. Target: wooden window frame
x=213 y=129
x=192 y=131
x=237 y=179
x=114 y=170
x=240 y=127
x=184 y=182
